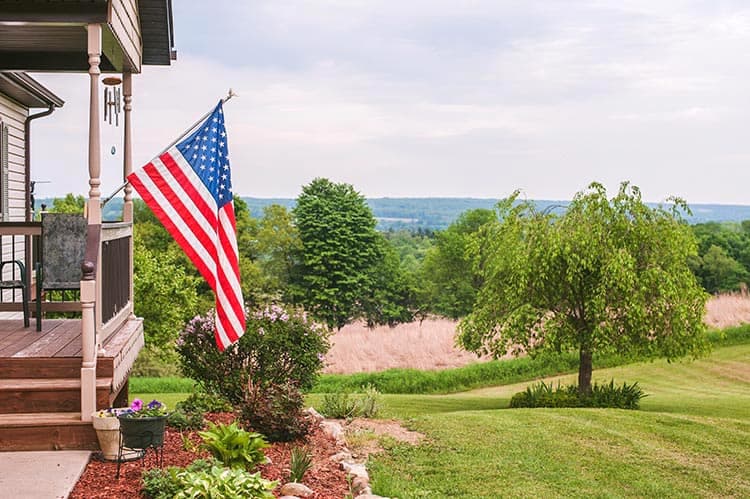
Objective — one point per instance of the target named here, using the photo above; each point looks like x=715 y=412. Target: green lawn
x=691 y=438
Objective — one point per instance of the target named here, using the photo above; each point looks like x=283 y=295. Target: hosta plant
x=233 y=446
x=224 y=483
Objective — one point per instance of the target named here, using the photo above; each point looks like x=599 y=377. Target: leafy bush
x=339 y=405
x=369 y=402
x=345 y=405
x=221 y=483
x=202 y=402
x=233 y=446
x=299 y=463
x=607 y=395
x=275 y=410
x=181 y=420
x=161 y=483
x=279 y=345
x=620 y=397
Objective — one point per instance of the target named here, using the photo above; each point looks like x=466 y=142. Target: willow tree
x=605 y=275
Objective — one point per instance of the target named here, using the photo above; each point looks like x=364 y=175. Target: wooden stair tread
x=41 y=419
x=44 y=384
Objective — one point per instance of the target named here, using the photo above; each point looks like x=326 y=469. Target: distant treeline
x=438 y=213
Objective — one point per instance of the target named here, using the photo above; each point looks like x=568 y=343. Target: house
x=52 y=380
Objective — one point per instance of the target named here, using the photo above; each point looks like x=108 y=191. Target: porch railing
x=115 y=272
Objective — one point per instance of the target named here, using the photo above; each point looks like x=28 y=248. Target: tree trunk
x=584 y=372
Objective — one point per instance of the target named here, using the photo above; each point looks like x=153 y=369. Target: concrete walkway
x=41 y=475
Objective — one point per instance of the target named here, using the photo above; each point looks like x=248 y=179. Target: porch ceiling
x=52 y=47
x=51 y=35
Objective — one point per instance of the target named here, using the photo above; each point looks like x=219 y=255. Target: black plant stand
x=137 y=436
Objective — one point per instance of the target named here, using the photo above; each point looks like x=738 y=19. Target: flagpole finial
x=230 y=95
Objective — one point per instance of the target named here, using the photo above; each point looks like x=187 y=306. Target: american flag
x=189 y=189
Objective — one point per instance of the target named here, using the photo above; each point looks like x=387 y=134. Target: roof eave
x=28 y=91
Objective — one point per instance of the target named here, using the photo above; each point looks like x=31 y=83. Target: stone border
x=360 y=479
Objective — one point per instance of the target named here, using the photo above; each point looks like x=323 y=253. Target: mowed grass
x=691 y=439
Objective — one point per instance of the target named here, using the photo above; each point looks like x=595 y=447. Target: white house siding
x=14 y=115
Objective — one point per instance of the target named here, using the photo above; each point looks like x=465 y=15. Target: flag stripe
x=182 y=204
x=172 y=214
x=156 y=206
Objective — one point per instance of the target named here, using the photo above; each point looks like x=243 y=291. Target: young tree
x=279 y=246
x=339 y=251
x=606 y=275
x=449 y=284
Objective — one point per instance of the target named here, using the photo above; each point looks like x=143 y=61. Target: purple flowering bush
x=280 y=345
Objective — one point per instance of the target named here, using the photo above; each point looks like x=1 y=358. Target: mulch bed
x=325 y=477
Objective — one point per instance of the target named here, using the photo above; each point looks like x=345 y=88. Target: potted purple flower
x=142 y=425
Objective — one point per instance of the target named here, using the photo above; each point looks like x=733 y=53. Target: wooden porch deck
x=40 y=385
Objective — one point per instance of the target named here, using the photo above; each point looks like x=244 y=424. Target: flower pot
x=142 y=433
x=108 y=433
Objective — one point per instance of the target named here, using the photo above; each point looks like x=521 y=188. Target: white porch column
x=127 y=169
x=89 y=287
x=94 y=50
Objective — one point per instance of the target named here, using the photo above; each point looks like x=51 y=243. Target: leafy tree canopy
x=339 y=251
x=449 y=282
x=69 y=204
x=604 y=275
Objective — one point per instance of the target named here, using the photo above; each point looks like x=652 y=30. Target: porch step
x=40 y=367
x=46 y=431
x=32 y=395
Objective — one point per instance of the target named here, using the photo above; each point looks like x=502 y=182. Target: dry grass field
x=431 y=345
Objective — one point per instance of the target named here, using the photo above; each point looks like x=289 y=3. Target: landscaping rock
x=310 y=411
x=296 y=489
x=360 y=485
x=355 y=469
x=333 y=430
x=341 y=456
x=289 y=497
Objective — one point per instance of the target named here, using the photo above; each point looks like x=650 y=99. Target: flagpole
x=187 y=131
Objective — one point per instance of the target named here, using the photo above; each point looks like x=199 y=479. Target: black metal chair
x=17 y=284
x=62 y=252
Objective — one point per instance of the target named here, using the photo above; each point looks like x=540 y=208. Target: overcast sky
x=443 y=98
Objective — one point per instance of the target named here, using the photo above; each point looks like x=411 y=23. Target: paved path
x=41 y=475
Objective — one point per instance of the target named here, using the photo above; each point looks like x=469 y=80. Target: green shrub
x=181 y=420
x=299 y=463
x=279 y=345
x=620 y=397
x=275 y=410
x=233 y=446
x=339 y=405
x=223 y=483
x=161 y=483
x=155 y=361
x=369 y=402
x=345 y=405
x=202 y=402
x=603 y=396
